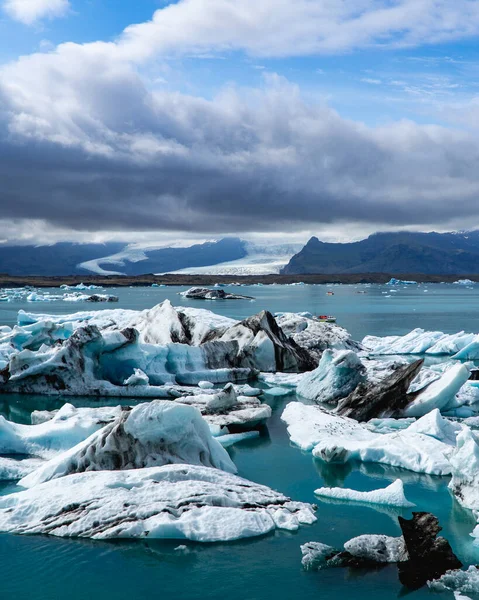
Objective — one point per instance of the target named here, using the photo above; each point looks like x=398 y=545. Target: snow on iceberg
x=151 y=434
x=173 y=501
x=338 y=374
x=393 y=495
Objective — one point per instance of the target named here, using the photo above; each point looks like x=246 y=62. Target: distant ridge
x=398 y=252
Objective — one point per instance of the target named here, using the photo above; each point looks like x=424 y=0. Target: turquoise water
x=270 y=567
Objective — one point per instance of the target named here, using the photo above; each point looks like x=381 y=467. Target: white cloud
x=31 y=11
x=281 y=27
x=89 y=145
x=371 y=81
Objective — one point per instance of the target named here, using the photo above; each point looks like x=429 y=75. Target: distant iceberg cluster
x=71 y=294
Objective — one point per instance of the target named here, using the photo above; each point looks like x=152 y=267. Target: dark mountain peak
x=392 y=252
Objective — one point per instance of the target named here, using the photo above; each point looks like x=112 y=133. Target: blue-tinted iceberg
x=338 y=374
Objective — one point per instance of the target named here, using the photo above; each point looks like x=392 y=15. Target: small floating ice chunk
x=206 y=385
x=315 y=555
x=457 y=581
x=393 y=495
x=137 y=378
x=379 y=548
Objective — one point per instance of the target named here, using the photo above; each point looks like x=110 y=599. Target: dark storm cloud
x=94 y=150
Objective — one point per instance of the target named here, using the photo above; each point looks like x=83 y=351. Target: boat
x=330 y=293
x=326 y=319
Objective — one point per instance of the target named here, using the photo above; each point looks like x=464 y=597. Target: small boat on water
x=329 y=293
x=326 y=319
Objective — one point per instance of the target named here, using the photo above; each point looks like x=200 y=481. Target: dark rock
x=384 y=399
x=429 y=556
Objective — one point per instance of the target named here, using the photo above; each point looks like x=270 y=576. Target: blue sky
x=365 y=78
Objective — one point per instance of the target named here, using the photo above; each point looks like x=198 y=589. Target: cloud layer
x=31 y=11
x=89 y=144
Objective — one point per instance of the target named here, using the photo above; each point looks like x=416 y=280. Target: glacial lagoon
x=267 y=567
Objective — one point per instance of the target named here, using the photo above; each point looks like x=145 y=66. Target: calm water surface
x=270 y=567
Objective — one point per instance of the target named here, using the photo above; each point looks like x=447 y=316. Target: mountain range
x=394 y=253
x=397 y=252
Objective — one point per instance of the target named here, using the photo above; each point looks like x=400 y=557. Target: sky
x=270 y=119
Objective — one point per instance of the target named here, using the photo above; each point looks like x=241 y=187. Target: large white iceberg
x=172 y=501
x=393 y=495
x=151 y=434
x=340 y=439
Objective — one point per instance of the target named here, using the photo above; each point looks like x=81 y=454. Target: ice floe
x=172 y=501
x=393 y=495
x=340 y=439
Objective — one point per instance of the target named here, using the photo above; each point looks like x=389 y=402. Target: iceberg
x=378 y=548
x=439 y=393
x=465 y=473
x=57 y=433
x=316 y=555
x=103 y=353
x=393 y=495
x=198 y=293
x=363 y=551
x=394 y=281
x=459 y=345
x=315 y=335
x=151 y=434
x=457 y=581
x=172 y=501
x=12 y=469
x=387 y=398
x=337 y=439
x=338 y=374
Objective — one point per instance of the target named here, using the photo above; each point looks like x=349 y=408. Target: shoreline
x=12 y=281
